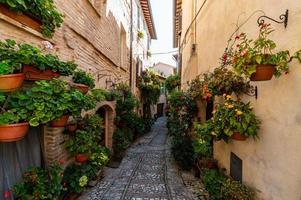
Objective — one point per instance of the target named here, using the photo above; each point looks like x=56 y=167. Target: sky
x=163 y=18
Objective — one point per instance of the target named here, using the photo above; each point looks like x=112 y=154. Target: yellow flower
x=239 y=112
x=230 y=106
x=229 y=97
x=224 y=95
x=226 y=104
x=251 y=107
x=214 y=112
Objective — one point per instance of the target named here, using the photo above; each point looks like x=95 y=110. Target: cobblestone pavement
x=147 y=172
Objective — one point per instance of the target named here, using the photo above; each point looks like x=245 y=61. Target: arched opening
x=107 y=114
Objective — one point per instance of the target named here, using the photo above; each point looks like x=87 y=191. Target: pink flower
x=244 y=52
x=6 y=194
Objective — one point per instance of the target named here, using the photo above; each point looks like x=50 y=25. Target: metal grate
x=235 y=167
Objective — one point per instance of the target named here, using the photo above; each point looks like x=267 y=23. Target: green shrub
x=40 y=184
x=172 y=82
x=213 y=181
x=182 y=150
x=234 y=190
x=122 y=138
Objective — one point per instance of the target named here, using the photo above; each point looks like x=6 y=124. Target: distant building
x=164 y=69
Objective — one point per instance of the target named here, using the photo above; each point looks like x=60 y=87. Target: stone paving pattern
x=147 y=172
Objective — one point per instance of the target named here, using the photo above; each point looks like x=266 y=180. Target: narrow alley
x=146 y=172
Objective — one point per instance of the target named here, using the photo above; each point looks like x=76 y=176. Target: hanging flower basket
x=81 y=87
x=61 y=122
x=33 y=74
x=263 y=73
x=239 y=137
x=72 y=127
x=21 y=18
x=81 y=158
x=11 y=82
x=13 y=132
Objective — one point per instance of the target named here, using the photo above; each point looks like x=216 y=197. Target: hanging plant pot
x=21 y=18
x=81 y=158
x=13 y=132
x=33 y=74
x=239 y=137
x=81 y=87
x=72 y=127
x=11 y=82
x=61 y=122
x=263 y=73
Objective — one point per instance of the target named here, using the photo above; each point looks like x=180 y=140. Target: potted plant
x=13 y=126
x=203 y=146
x=255 y=58
x=83 y=81
x=39 y=183
x=72 y=126
x=37 y=66
x=42 y=18
x=11 y=77
x=81 y=144
x=234 y=119
x=225 y=81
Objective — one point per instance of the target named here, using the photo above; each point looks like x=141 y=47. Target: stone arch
x=106 y=109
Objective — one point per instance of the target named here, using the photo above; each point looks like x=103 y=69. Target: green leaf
x=34 y=122
x=258 y=59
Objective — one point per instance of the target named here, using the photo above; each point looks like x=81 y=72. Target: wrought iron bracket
x=283 y=19
x=253 y=92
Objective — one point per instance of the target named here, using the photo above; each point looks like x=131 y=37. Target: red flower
x=237 y=37
x=286 y=73
x=237 y=45
x=62 y=162
x=6 y=194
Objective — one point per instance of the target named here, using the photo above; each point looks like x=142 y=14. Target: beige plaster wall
x=271 y=164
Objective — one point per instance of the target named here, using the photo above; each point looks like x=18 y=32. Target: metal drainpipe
x=131 y=46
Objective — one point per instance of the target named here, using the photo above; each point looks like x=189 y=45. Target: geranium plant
x=234 y=116
x=44 y=11
x=13 y=56
x=173 y=82
x=39 y=183
x=245 y=54
x=83 y=77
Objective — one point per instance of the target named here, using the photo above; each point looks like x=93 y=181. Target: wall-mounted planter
x=13 y=132
x=263 y=73
x=81 y=87
x=239 y=137
x=71 y=127
x=33 y=74
x=61 y=122
x=11 y=82
x=23 y=19
x=81 y=158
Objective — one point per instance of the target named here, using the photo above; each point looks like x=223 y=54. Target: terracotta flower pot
x=33 y=74
x=81 y=158
x=71 y=127
x=81 y=87
x=21 y=18
x=11 y=82
x=263 y=73
x=239 y=137
x=61 y=122
x=13 y=132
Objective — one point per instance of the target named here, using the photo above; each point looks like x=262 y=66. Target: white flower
x=47 y=44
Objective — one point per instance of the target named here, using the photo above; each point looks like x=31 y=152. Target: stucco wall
x=272 y=163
